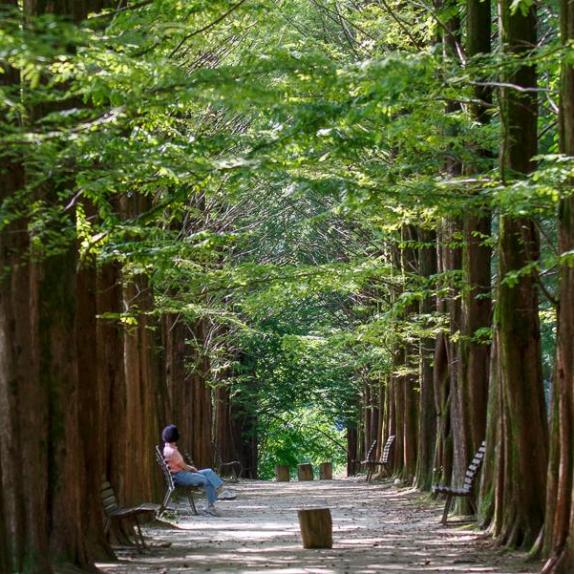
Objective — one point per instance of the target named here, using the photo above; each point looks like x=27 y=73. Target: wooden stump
x=305 y=471
x=326 y=471
x=282 y=473
x=316 y=528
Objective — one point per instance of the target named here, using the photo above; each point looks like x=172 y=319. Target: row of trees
x=473 y=386
x=220 y=215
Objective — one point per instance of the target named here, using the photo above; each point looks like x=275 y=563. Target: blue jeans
x=206 y=478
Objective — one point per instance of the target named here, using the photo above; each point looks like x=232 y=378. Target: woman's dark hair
x=170 y=434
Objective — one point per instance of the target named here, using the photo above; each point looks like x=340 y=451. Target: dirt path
x=376 y=528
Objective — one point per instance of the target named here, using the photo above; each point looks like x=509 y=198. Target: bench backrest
x=371 y=451
x=387 y=449
x=108 y=497
x=474 y=467
x=164 y=468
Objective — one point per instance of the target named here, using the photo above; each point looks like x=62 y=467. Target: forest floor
x=376 y=528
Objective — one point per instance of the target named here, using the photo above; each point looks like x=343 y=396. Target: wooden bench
x=371 y=465
x=170 y=486
x=468 y=485
x=113 y=511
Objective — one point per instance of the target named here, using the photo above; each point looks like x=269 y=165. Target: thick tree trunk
x=404 y=383
x=46 y=510
x=523 y=413
x=224 y=439
x=92 y=403
x=4 y=544
x=145 y=393
x=458 y=424
x=441 y=384
x=22 y=430
x=201 y=403
x=59 y=375
x=453 y=253
x=143 y=408
x=559 y=527
x=477 y=307
x=428 y=419
x=178 y=378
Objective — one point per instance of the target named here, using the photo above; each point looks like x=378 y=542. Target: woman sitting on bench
x=187 y=475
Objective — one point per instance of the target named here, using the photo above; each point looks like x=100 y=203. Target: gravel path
x=376 y=528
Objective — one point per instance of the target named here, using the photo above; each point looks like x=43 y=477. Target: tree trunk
x=559 y=527
x=352 y=450
x=474 y=354
x=201 y=406
x=523 y=413
x=22 y=431
x=92 y=403
x=441 y=385
x=428 y=419
x=111 y=374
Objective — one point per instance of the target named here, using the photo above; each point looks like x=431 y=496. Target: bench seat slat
x=130 y=511
x=442 y=489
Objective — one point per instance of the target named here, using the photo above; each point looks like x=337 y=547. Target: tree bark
x=473 y=351
x=523 y=413
x=441 y=384
x=22 y=430
x=559 y=526
x=428 y=419
x=92 y=405
x=352 y=450
x=201 y=405
x=476 y=300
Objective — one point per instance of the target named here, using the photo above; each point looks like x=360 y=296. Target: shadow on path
x=376 y=528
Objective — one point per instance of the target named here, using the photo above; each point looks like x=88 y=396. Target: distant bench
x=468 y=485
x=371 y=465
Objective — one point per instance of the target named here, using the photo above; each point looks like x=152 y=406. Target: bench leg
x=165 y=502
x=192 y=502
x=140 y=541
x=370 y=470
x=446 y=508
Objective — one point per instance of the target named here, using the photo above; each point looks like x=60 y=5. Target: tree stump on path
x=282 y=473
x=316 y=528
x=326 y=471
x=305 y=471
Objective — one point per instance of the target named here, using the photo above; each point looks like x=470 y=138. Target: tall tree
x=473 y=349
x=559 y=528
x=521 y=472
x=21 y=428
x=428 y=416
